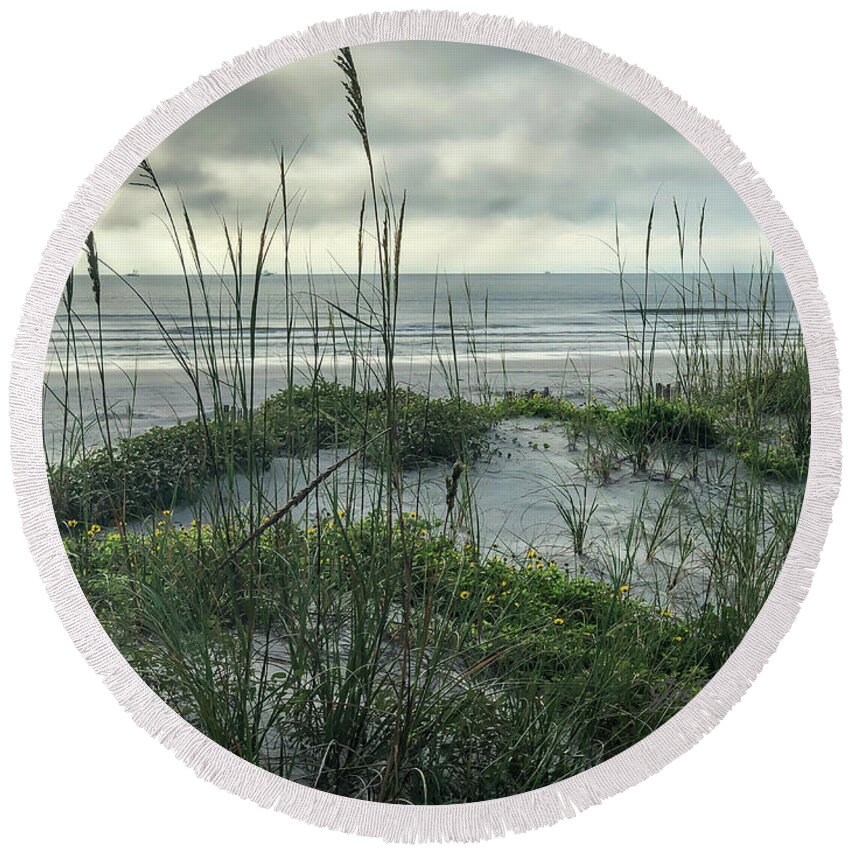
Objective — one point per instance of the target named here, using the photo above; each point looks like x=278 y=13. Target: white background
x=77 y=76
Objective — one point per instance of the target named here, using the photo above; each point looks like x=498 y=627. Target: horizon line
x=545 y=273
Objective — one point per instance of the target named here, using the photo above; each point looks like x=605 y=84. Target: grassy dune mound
x=515 y=674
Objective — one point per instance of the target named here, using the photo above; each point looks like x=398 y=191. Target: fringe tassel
x=474 y=821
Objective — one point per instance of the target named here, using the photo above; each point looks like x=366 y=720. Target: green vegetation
x=331 y=415
x=167 y=466
x=162 y=466
x=520 y=674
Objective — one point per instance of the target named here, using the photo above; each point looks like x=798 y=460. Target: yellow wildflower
x=166 y=512
x=72 y=523
x=490 y=598
x=311 y=529
x=504 y=584
x=678 y=638
x=531 y=553
x=624 y=588
x=558 y=621
x=341 y=513
x=666 y=612
x=464 y=594
x=94 y=529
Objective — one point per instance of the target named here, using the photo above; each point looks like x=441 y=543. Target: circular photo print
x=426 y=422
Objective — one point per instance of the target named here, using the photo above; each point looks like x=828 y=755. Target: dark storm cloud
x=477 y=136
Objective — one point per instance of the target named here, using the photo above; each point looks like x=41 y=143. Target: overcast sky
x=511 y=163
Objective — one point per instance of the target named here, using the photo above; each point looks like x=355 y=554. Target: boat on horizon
x=134 y=273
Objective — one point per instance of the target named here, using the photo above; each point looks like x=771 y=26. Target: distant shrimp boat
x=134 y=273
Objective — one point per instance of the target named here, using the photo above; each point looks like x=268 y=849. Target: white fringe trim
x=471 y=821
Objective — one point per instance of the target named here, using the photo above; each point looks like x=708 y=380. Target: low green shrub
x=550 y=407
x=639 y=428
x=636 y=427
x=164 y=466
x=161 y=466
x=657 y=420
x=442 y=429
x=774 y=460
x=329 y=415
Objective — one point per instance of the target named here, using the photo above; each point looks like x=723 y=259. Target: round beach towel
x=427 y=408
